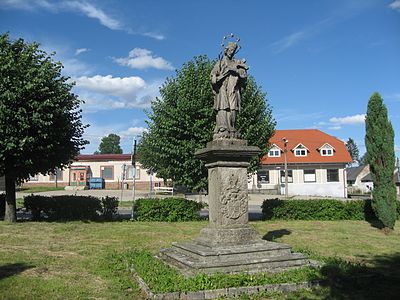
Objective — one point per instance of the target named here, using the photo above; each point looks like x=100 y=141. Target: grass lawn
x=38 y=189
x=76 y=260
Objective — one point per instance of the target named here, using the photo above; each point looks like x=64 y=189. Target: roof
x=313 y=139
x=103 y=157
x=353 y=172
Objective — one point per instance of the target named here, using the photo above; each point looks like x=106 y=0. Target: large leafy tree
x=379 y=141
x=110 y=145
x=183 y=120
x=40 y=120
x=353 y=150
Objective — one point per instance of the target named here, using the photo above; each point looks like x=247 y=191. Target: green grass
x=127 y=204
x=79 y=260
x=38 y=189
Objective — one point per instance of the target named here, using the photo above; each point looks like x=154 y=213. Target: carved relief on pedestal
x=233 y=195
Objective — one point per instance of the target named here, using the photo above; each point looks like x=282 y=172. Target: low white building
x=316 y=164
x=115 y=170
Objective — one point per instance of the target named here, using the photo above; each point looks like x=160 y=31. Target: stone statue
x=228 y=79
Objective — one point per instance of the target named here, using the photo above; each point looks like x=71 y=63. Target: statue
x=228 y=79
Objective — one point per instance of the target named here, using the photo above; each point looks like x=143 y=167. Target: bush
x=109 y=207
x=168 y=209
x=66 y=207
x=2 y=205
x=321 y=209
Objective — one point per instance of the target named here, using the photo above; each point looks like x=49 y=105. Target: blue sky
x=318 y=61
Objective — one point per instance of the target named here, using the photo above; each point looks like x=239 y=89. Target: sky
x=319 y=61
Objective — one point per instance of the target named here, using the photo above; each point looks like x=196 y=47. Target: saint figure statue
x=228 y=79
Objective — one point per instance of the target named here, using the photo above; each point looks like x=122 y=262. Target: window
x=300 y=150
x=107 y=172
x=59 y=173
x=274 y=152
x=332 y=175
x=130 y=172
x=326 y=152
x=263 y=176
x=290 y=176
x=309 y=176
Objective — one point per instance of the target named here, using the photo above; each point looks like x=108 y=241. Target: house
x=116 y=170
x=316 y=164
x=359 y=179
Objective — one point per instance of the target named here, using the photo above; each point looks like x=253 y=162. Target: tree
x=40 y=120
x=183 y=120
x=110 y=144
x=379 y=141
x=353 y=150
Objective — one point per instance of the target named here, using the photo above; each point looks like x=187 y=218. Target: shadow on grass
x=275 y=234
x=380 y=279
x=13 y=269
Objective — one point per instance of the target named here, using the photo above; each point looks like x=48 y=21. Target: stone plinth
x=227 y=161
x=228 y=243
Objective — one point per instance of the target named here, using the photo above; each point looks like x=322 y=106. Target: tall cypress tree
x=379 y=141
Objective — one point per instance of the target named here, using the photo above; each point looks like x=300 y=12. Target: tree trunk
x=11 y=205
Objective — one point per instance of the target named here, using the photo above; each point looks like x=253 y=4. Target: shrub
x=321 y=209
x=66 y=207
x=109 y=207
x=2 y=205
x=168 y=209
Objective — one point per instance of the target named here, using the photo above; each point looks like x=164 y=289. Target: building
x=116 y=170
x=316 y=164
x=359 y=180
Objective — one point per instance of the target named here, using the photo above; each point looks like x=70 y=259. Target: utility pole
x=133 y=159
x=285 y=142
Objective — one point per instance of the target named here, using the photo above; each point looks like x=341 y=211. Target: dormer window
x=326 y=150
x=275 y=151
x=300 y=150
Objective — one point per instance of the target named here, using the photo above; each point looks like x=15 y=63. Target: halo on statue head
x=230 y=38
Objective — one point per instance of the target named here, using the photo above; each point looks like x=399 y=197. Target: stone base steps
x=263 y=256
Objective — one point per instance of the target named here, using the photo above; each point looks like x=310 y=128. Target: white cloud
x=81 y=50
x=108 y=92
x=83 y=7
x=132 y=132
x=349 y=120
x=395 y=5
x=27 y=5
x=335 y=127
x=93 y=12
x=139 y=58
x=111 y=85
x=288 y=41
x=154 y=35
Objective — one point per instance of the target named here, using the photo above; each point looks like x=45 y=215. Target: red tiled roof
x=313 y=139
x=103 y=157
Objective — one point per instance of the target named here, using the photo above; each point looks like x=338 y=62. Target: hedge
x=318 y=209
x=70 y=207
x=167 y=209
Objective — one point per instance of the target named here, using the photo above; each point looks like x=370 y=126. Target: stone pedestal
x=227 y=161
x=228 y=243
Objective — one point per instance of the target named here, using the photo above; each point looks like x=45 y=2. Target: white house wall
x=321 y=187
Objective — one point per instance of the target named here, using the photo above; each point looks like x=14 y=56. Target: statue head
x=230 y=50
